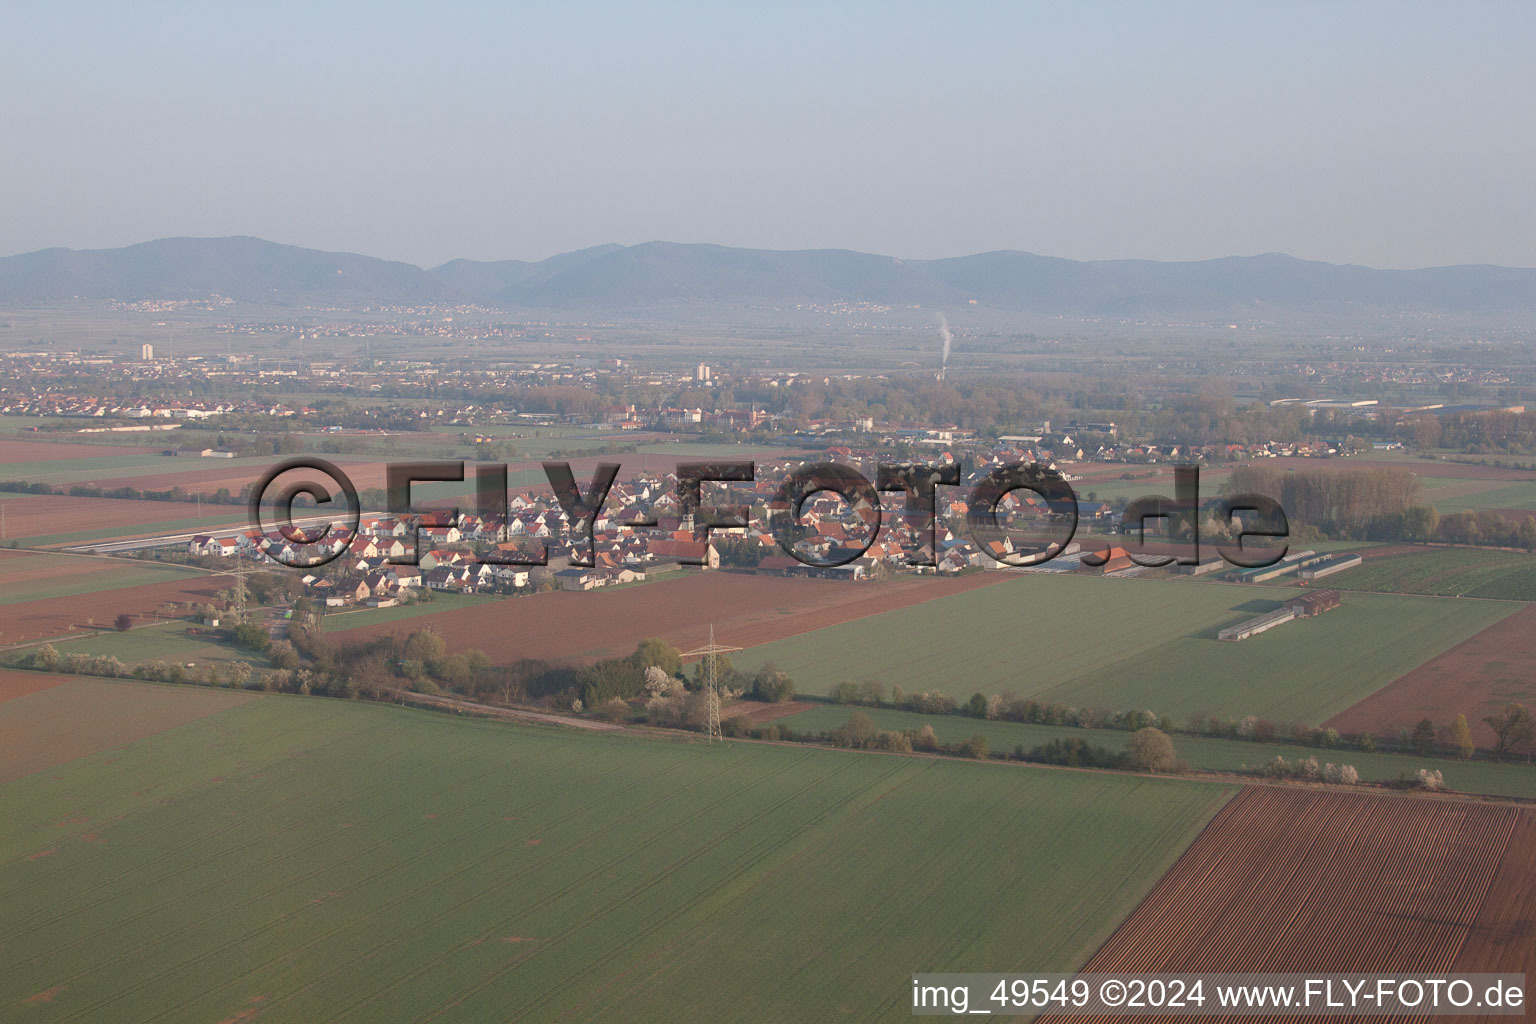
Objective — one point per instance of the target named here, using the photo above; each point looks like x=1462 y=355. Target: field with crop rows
x=304 y=859
x=1122 y=644
x=1449 y=572
x=1288 y=880
x=1474 y=678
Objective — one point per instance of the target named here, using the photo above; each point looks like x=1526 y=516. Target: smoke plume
x=944 y=333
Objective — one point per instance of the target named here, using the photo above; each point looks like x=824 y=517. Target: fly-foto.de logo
x=1019 y=514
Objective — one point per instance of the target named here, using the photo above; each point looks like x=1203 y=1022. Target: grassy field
x=65 y=469
x=167 y=641
x=303 y=859
x=216 y=519
x=1123 y=644
x=1459 y=494
x=1452 y=572
x=443 y=602
x=1205 y=753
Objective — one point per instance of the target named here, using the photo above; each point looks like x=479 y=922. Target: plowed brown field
x=44 y=514
x=1503 y=938
x=34 y=620
x=745 y=611
x=15 y=684
x=1473 y=678
x=13 y=450
x=1309 y=881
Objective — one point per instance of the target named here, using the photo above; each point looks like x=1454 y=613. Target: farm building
x=1302 y=606
x=1328 y=566
x=1209 y=563
x=1290 y=563
x=1118 y=559
x=1258 y=624
x=1313 y=603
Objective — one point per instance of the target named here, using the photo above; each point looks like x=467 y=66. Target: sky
x=1387 y=134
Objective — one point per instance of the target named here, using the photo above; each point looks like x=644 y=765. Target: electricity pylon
x=711 y=683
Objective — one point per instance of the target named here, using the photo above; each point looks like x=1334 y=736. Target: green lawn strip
x=1202 y=752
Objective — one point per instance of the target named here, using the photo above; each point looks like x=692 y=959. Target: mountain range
x=667 y=274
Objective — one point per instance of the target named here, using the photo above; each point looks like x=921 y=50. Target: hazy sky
x=1389 y=134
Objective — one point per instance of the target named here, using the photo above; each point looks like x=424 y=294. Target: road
x=174 y=539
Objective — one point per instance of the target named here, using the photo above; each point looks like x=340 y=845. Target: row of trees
x=1512 y=726
x=1148 y=750
x=1475 y=432
x=1345 y=503
x=1375 y=504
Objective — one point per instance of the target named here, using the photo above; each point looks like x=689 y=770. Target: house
x=578 y=579
x=685 y=552
x=510 y=575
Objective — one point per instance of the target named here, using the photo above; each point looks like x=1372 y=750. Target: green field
x=1451 y=572
x=303 y=860
x=166 y=641
x=442 y=602
x=217 y=517
x=65 y=469
x=1460 y=494
x=1125 y=643
x=1202 y=753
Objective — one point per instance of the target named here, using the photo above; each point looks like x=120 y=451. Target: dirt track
x=746 y=610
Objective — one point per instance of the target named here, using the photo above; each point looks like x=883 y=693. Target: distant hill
x=486 y=278
x=247 y=269
x=659 y=275
x=670 y=274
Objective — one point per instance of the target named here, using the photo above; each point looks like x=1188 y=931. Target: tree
x=655 y=651
x=860 y=731
x=48 y=657
x=1461 y=737
x=123 y=622
x=1150 y=750
x=1511 y=727
x=657 y=682
x=425 y=645
x=283 y=655
x=252 y=637
x=976 y=746
x=1424 y=737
